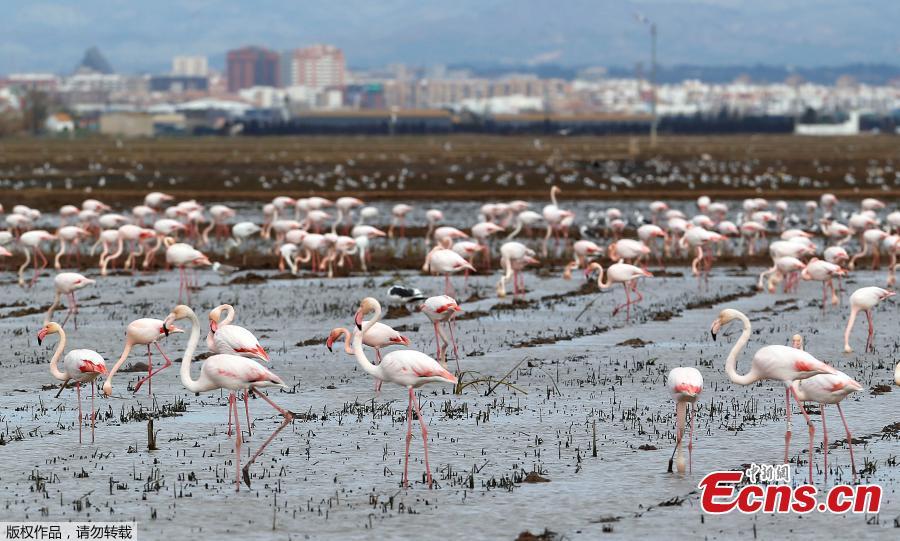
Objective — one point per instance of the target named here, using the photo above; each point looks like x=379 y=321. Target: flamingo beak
x=714 y=329
x=213 y=326
x=41 y=335
x=329 y=343
x=358 y=319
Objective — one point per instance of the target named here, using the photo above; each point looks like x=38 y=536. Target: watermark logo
x=103 y=531
x=766 y=488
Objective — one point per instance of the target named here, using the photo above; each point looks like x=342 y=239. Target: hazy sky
x=140 y=35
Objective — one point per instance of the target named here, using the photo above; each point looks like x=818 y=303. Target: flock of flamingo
x=296 y=231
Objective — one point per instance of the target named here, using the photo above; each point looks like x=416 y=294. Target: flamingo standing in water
x=441 y=309
x=443 y=260
x=408 y=368
x=554 y=217
x=184 y=256
x=583 y=250
x=225 y=337
x=31 y=242
x=79 y=366
x=231 y=372
x=399 y=213
x=826 y=389
x=67 y=283
x=685 y=384
x=864 y=299
x=776 y=363
x=625 y=274
x=824 y=272
x=142 y=332
x=514 y=256
x=379 y=336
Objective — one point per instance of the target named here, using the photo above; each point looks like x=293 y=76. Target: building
x=252 y=66
x=318 y=66
x=59 y=123
x=179 y=84
x=128 y=124
x=190 y=66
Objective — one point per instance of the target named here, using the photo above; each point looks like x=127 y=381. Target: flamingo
x=69 y=234
x=826 y=389
x=231 y=372
x=864 y=299
x=379 y=336
x=443 y=260
x=823 y=271
x=514 y=256
x=224 y=337
x=625 y=274
x=399 y=212
x=627 y=249
x=775 y=363
x=240 y=232
x=184 y=256
x=442 y=309
x=79 y=366
x=408 y=368
x=67 y=283
x=554 y=216
x=434 y=217
x=685 y=384
x=31 y=242
x=583 y=250
x=482 y=231
x=142 y=332
x=697 y=237
x=872 y=239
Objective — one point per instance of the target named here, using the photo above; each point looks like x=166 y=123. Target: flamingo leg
x=788 y=427
x=378 y=381
x=288 y=418
x=812 y=433
x=870 y=343
x=232 y=407
x=453 y=341
x=93 y=414
x=247 y=412
x=825 y=441
x=150 y=371
x=679 y=435
x=691 y=443
x=409 y=408
x=78 y=392
x=424 y=438
x=74 y=308
x=437 y=343
x=849 y=439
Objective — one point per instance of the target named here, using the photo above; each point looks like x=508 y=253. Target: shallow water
x=335 y=472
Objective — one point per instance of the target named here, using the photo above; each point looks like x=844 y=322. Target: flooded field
x=567 y=425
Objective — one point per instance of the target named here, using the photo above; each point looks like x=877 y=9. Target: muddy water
x=335 y=472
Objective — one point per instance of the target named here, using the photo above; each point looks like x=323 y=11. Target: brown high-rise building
x=252 y=66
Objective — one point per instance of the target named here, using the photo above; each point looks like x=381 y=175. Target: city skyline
x=142 y=38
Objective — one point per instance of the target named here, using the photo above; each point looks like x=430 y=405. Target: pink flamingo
x=826 y=389
x=584 y=250
x=379 y=336
x=776 y=363
x=408 y=368
x=443 y=260
x=514 y=256
x=823 y=271
x=79 y=366
x=67 y=283
x=864 y=299
x=442 y=309
x=184 y=256
x=69 y=234
x=685 y=384
x=399 y=212
x=231 y=372
x=142 y=332
x=625 y=274
x=628 y=250
x=31 y=242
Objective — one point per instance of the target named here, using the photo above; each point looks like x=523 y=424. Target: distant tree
x=809 y=116
x=35 y=107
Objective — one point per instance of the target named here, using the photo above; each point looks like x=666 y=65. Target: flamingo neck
x=731 y=361
x=230 y=317
x=115 y=368
x=553 y=197
x=515 y=231
x=364 y=362
x=600 y=283
x=195 y=386
x=348 y=347
x=60 y=347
